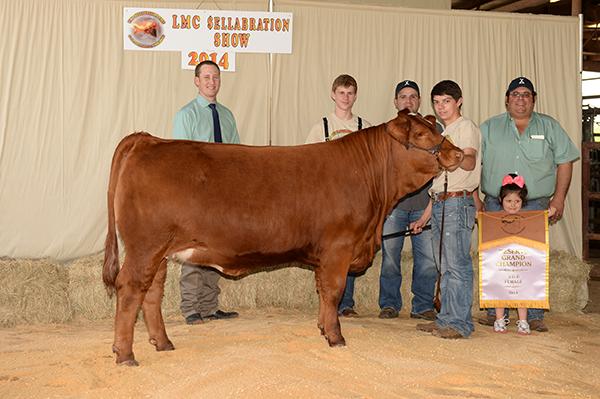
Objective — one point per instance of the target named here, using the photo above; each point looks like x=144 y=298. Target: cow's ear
x=430 y=119
x=399 y=127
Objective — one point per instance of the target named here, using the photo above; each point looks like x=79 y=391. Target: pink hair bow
x=518 y=180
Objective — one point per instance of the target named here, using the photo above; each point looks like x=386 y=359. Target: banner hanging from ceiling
x=207 y=34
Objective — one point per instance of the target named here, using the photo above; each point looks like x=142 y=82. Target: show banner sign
x=207 y=34
x=513 y=260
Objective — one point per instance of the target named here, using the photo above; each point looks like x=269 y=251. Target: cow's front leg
x=333 y=280
x=152 y=310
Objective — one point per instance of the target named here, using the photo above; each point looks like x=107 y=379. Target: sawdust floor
x=280 y=354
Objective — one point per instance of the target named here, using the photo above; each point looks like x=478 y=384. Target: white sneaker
x=523 y=327
x=500 y=326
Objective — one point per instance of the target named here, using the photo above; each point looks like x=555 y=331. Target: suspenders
x=326 y=128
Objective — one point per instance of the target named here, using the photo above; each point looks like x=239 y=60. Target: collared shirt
x=533 y=154
x=337 y=128
x=195 y=122
x=463 y=133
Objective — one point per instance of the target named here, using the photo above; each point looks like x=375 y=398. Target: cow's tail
x=110 y=270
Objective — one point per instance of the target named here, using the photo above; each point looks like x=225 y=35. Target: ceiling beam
x=490 y=5
x=520 y=5
x=591 y=46
x=590 y=36
x=592 y=66
x=589 y=56
x=465 y=4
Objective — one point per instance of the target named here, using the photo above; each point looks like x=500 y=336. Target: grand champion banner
x=207 y=34
x=513 y=259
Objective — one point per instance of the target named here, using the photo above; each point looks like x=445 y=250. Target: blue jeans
x=424 y=272
x=347 y=301
x=456 y=264
x=492 y=204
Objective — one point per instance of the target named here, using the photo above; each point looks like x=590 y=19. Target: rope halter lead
x=435 y=150
x=437 y=303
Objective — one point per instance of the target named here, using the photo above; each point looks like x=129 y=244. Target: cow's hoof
x=129 y=362
x=321 y=329
x=336 y=343
x=167 y=346
x=124 y=360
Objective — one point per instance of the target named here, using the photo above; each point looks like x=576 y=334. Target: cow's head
x=418 y=133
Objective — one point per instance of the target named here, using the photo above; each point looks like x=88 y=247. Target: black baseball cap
x=521 y=81
x=407 y=83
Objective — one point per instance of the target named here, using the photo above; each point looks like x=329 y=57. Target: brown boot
x=447 y=333
x=388 y=313
x=349 y=312
x=426 y=315
x=538 y=325
x=487 y=320
x=427 y=327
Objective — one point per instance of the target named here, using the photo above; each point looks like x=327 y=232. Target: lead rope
x=437 y=303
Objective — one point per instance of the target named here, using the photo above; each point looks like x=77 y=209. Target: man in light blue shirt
x=203 y=119
x=534 y=146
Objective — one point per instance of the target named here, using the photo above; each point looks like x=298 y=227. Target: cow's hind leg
x=332 y=282
x=152 y=310
x=133 y=280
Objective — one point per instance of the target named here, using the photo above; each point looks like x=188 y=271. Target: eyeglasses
x=522 y=94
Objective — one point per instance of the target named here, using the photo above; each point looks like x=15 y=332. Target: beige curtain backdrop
x=69 y=93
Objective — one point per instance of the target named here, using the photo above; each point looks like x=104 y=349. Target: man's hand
x=556 y=207
x=479 y=204
x=417 y=227
x=555 y=210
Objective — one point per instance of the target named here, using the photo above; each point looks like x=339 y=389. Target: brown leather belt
x=451 y=194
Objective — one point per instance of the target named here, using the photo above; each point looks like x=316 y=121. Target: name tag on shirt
x=537 y=136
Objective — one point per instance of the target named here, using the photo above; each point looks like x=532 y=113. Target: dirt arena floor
x=280 y=354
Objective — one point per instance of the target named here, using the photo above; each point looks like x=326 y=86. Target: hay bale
x=89 y=297
x=87 y=294
x=33 y=291
x=569 y=276
x=171 y=297
x=40 y=291
x=290 y=286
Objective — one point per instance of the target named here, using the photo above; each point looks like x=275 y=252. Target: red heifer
x=237 y=208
